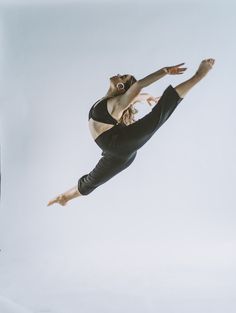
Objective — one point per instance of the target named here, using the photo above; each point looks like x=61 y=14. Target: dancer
x=114 y=129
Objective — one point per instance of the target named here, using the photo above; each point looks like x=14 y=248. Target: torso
x=113 y=107
x=97 y=128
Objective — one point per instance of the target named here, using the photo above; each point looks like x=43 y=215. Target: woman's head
x=119 y=84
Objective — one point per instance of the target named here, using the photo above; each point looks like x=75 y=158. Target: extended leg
x=63 y=198
x=106 y=168
x=136 y=135
x=183 y=88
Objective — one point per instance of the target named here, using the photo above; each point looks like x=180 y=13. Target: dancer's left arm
x=145 y=97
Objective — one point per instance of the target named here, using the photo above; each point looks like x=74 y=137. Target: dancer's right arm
x=125 y=100
x=151 y=78
x=171 y=70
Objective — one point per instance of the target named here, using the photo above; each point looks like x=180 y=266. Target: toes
x=61 y=199
x=209 y=62
x=52 y=201
x=212 y=61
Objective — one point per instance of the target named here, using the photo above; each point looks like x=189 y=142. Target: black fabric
x=120 y=143
x=99 y=112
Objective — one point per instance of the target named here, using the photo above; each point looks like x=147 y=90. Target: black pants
x=120 y=143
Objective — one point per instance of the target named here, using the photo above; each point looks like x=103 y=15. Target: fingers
x=154 y=99
x=177 y=71
x=182 y=69
x=179 y=64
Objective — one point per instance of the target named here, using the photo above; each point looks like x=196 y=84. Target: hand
x=175 y=70
x=151 y=98
x=144 y=96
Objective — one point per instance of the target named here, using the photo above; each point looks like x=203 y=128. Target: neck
x=113 y=93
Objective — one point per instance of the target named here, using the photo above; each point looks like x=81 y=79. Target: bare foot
x=61 y=199
x=205 y=67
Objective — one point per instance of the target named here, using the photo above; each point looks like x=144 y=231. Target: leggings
x=119 y=144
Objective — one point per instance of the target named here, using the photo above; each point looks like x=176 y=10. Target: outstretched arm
x=151 y=78
x=172 y=70
x=126 y=99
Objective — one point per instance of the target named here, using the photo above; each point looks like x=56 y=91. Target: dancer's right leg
x=183 y=88
x=134 y=136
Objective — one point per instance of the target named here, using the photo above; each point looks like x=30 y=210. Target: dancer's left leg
x=107 y=167
x=63 y=198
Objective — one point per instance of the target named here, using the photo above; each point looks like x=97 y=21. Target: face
x=117 y=81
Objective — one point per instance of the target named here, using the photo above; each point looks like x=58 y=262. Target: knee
x=130 y=158
x=84 y=186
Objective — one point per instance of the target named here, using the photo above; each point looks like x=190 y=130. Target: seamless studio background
x=160 y=236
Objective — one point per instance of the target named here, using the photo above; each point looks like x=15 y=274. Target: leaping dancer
x=114 y=129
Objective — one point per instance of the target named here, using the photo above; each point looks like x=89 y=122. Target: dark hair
x=130 y=82
x=127 y=117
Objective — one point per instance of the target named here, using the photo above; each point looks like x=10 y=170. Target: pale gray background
x=160 y=236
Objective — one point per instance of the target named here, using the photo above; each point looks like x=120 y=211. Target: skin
x=122 y=99
x=96 y=128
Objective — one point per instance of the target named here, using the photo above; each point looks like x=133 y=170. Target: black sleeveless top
x=99 y=112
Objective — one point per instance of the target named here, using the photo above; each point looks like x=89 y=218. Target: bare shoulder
x=113 y=102
x=114 y=108
x=121 y=102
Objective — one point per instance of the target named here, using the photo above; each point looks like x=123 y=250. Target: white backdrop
x=160 y=236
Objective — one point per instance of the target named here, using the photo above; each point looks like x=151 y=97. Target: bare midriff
x=97 y=128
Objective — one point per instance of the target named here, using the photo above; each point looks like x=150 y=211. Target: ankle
x=199 y=75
